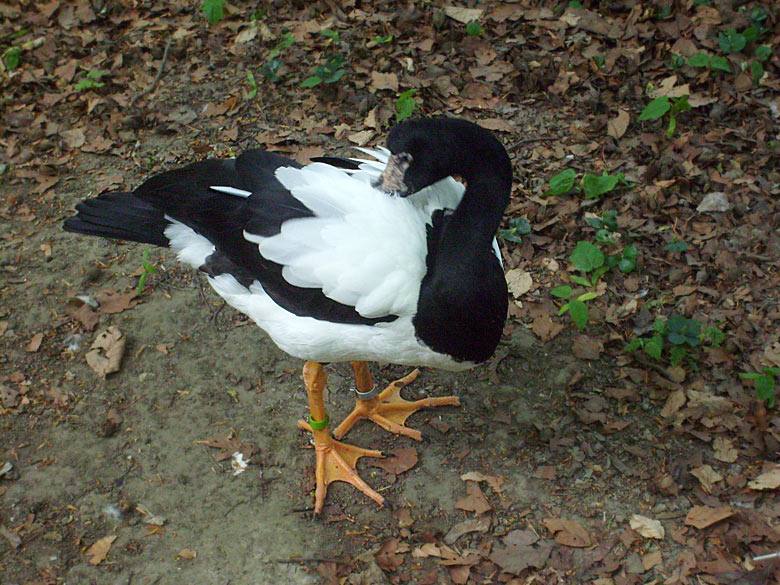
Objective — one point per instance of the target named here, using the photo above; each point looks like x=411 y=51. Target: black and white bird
x=389 y=260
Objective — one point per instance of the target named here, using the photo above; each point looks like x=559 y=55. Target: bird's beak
x=392 y=178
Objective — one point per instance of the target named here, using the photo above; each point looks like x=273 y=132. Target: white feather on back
x=363 y=248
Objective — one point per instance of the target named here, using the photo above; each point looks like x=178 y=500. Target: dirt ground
x=571 y=460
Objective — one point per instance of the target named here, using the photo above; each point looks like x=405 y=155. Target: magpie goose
x=357 y=260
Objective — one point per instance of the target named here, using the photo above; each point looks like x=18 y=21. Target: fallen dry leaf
x=105 y=353
x=480 y=524
x=464 y=15
x=724 y=450
x=519 y=282
x=35 y=343
x=521 y=549
x=99 y=550
x=618 y=125
x=646 y=527
x=494 y=481
x=111 y=301
x=769 y=480
x=568 y=532
x=586 y=347
x=707 y=476
x=402 y=460
x=703 y=516
x=474 y=501
x=186 y=554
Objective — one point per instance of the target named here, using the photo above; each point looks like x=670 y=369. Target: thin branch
x=159 y=74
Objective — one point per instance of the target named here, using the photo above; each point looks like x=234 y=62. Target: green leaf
x=625 y=265
x=677 y=354
x=213 y=10
x=562 y=183
x=87 y=84
x=598 y=273
x=731 y=41
x=714 y=336
x=720 y=64
x=587 y=296
x=521 y=225
x=609 y=218
x=579 y=314
x=270 y=69
x=586 y=256
x=751 y=375
x=634 y=344
x=676 y=246
x=765 y=389
x=699 y=60
x=654 y=347
x=405 y=105
x=751 y=34
x=332 y=35
x=756 y=71
x=12 y=58
x=672 y=126
x=680 y=104
x=580 y=280
x=562 y=292
x=334 y=76
x=656 y=108
x=763 y=52
x=595 y=186
x=382 y=40
x=473 y=29
x=253 y=84
x=312 y=81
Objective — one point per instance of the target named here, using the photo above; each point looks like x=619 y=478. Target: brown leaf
x=521 y=550
x=545 y=328
x=384 y=81
x=99 y=550
x=35 y=343
x=769 y=480
x=464 y=15
x=568 y=532
x=73 y=138
x=494 y=481
x=116 y=302
x=186 y=554
x=618 y=125
x=703 y=516
x=402 y=460
x=587 y=348
x=724 y=450
x=105 y=354
x=480 y=524
x=474 y=501
x=519 y=282
x=707 y=476
x=387 y=557
x=646 y=527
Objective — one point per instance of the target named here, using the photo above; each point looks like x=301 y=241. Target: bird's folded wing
x=362 y=248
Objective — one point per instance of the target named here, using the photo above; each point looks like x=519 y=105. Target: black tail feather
x=119 y=216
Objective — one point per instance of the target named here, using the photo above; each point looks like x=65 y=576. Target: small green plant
x=764 y=383
x=331 y=72
x=270 y=68
x=592 y=186
x=677 y=338
x=577 y=309
x=12 y=58
x=148 y=268
x=213 y=10
x=253 y=84
x=474 y=29
x=91 y=81
x=676 y=246
x=332 y=35
x=518 y=227
x=709 y=62
x=658 y=107
x=381 y=40
x=405 y=105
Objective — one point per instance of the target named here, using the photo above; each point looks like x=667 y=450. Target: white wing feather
x=363 y=248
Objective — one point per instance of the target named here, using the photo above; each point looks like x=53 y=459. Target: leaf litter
x=687 y=445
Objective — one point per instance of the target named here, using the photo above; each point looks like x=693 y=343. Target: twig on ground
x=527 y=140
x=159 y=74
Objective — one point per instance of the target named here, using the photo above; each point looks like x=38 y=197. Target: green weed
x=148 y=268
x=764 y=383
x=405 y=105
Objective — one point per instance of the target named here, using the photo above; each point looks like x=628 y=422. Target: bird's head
x=428 y=150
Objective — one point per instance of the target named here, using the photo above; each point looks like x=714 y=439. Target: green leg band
x=318 y=425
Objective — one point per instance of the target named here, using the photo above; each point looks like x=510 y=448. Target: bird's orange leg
x=335 y=460
x=388 y=409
